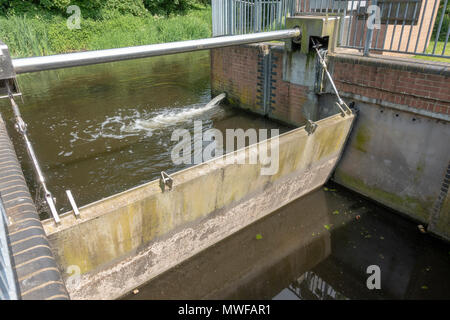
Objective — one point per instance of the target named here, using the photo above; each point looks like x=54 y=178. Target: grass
x=27 y=37
x=439 y=48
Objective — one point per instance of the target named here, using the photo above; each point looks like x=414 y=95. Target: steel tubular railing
x=416 y=27
x=35 y=64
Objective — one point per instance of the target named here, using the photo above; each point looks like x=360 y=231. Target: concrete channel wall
x=36 y=272
x=125 y=240
x=399 y=152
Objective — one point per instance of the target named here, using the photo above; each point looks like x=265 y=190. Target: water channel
x=103 y=129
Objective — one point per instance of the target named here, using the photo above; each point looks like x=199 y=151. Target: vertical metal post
x=379 y=30
x=411 y=26
x=350 y=24
x=438 y=31
x=421 y=23
x=387 y=25
x=395 y=25
x=403 y=26
x=369 y=35
x=430 y=27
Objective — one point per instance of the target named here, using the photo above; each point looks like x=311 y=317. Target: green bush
x=24 y=36
x=34 y=36
x=63 y=39
x=98 y=9
x=166 y=7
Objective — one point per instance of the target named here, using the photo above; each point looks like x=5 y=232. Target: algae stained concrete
x=398 y=159
x=124 y=241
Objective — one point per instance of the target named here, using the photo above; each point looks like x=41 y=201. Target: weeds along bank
x=36 y=31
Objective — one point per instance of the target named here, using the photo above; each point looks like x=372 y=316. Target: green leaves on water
x=327 y=226
x=335 y=212
x=259 y=236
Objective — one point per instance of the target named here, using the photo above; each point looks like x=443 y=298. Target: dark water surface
x=102 y=129
x=317 y=247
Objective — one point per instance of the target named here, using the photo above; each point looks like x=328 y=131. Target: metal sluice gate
x=9 y=87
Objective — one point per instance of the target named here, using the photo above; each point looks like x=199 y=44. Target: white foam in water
x=121 y=126
x=171 y=117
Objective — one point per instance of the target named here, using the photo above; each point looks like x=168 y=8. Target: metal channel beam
x=34 y=64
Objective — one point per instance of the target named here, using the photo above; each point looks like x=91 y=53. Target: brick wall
x=410 y=84
x=414 y=85
x=234 y=70
x=242 y=71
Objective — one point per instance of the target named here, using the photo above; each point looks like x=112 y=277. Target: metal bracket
x=310 y=127
x=73 y=204
x=165 y=180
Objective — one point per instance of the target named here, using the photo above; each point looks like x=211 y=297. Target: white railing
x=231 y=17
x=417 y=27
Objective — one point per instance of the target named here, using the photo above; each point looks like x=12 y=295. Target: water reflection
x=292 y=241
x=309 y=287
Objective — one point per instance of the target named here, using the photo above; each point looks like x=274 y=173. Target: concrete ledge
x=401 y=160
x=404 y=64
x=395 y=106
x=37 y=272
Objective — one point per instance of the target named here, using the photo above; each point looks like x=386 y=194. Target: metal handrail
x=34 y=64
x=8 y=285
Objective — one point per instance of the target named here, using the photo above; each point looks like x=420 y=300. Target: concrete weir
x=125 y=240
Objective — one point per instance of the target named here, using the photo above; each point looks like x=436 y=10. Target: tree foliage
x=98 y=9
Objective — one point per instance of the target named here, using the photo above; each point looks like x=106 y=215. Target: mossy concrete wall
x=125 y=240
x=399 y=151
x=396 y=158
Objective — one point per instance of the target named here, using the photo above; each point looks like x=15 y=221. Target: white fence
x=419 y=27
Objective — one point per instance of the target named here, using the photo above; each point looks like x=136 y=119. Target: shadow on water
x=317 y=247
